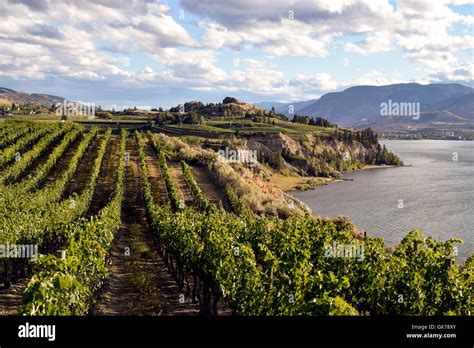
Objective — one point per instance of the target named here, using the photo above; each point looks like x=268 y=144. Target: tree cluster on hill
x=230 y=107
x=168 y=117
x=386 y=157
x=367 y=137
x=104 y=115
x=229 y=100
x=27 y=108
x=316 y=121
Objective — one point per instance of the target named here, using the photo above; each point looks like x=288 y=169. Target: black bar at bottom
x=290 y=331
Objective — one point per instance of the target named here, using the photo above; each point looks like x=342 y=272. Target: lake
x=435 y=194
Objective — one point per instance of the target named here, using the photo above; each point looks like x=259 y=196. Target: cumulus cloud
x=424 y=34
x=90 y=42
x=194 y=64
x=301 y=28
x=372 y=78
x=288 y=28
x=70 y=47
x=318 y=82
x=374 y=43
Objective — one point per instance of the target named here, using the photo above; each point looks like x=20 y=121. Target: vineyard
x=139 y=223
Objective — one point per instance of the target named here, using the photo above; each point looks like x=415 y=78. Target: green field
x=212 y=127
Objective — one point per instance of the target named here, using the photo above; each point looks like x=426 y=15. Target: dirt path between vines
x=84 y=169
x=42 y=158
x=62 y=164
x=182 y=187
x=155 y=176
x=211 y=190
x=105 y=185
x=11 y=298
x=138 y=282
x=27 y=148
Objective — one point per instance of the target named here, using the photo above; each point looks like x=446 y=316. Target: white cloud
x=420 y=28
x=287 y=28
x=374 y=43
x=88 y=41
x=71 y=47
x=191 y=65
x=423 y=33
x=372 y=78
x=216 y=36
x=318 y=82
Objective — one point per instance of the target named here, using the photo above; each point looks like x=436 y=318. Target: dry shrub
x=261 y=196
x=343 y=222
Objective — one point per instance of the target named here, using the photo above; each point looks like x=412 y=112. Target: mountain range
x=447 y=107
x=360 y=106
x=9 y=96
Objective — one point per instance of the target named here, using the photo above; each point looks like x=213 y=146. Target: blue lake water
x=435 y=194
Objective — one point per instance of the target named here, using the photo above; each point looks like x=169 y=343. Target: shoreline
x=322 y=181
x=375 y=166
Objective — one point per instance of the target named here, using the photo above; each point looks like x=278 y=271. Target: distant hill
x=9 y=96
x=461 y=106
x=360 y=105
x=442 y=106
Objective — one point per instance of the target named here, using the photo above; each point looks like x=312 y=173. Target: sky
x=125 y=53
